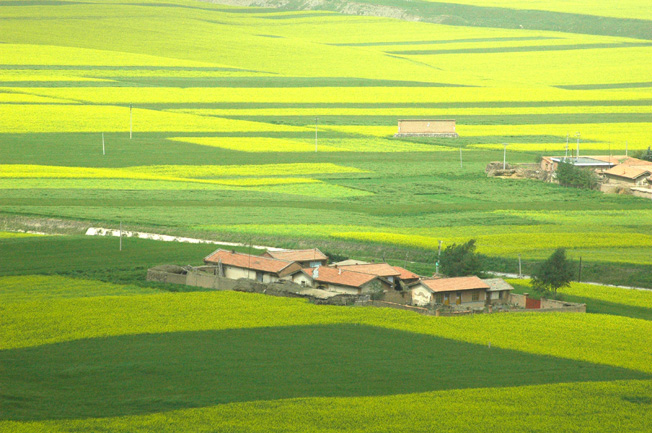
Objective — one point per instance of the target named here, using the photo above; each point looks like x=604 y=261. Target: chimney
x=339 y=271
x=315 y=273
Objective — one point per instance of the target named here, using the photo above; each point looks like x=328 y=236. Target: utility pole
x=520 y=274
x=579 y=276
x=566 y=156
x=626 y=148
x=316 y=122
x=461 y=156
x=131 y=123
x=504 y=156
x=577 y=156
x=120 y=235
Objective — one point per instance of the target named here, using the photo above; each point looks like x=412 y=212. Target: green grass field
x=274 y=126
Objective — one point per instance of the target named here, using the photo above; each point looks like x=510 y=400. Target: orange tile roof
x=379 y=269
x=247 y=261
x=298 y=255
x=454 y=284
x=621 y=160
x=339 y=276
x=628 y=171
x=405 y=274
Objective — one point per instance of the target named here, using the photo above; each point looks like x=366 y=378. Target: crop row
x=579 y=407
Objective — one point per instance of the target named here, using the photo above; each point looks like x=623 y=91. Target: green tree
x=576 y=177
x=556 y=272
x=460 y=260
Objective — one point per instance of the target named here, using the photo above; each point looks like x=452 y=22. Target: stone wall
x=548 y=305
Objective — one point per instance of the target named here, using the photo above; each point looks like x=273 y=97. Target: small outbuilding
x=340 y=280
x=498 y=291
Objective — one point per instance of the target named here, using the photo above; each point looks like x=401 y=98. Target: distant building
x=426 y=128
x=262 y=269
x=306 y=258
x=383 y=270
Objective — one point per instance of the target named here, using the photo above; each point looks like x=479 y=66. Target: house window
x=303 y=283
x=447 y=298
x=259 y=276
x=500 y=295
x=315 y=264
x=458 y=295
x=439 y=298
x=475 y=296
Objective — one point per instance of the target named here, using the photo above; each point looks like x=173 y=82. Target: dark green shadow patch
x=138 y=374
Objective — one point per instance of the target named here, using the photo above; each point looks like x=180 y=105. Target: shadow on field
x=147 y=373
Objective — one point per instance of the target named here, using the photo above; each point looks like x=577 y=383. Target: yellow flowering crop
x=11 y=235
x=21 y=119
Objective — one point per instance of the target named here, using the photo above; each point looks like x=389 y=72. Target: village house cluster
x=310 y=269
x=617 y=172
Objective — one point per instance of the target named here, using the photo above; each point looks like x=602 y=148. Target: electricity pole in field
x=578 y=146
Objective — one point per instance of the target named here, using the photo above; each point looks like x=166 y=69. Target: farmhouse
x=628 y=175
x=306 y=258
x=238 y=265
x=470 y=291
x=383 y=270
x=340 y=280
x=426 y=128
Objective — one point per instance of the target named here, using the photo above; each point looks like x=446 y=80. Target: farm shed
x=339 y=280
x=262 y=269
x=468 y=291
x=306 y=258
x=427 y=128
x=498 y=291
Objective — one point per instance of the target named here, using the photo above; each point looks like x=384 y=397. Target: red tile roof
x=247 y=261
x=405 y=274
x=454 y=284
x=298 y=255
x=628 y=172
x=379 y=269
x=339 y=276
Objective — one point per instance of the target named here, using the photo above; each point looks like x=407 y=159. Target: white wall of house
x=302 y=279
x=421 y=296
x=341 y=289
x=235 y=273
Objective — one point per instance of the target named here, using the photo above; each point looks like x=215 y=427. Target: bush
x=461 y=260
x=575 y=177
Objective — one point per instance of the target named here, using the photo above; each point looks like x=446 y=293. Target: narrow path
x=99 y=231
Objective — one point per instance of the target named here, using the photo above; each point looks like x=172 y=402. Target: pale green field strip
x=561 y=67
x=414 y=111
x=35 y=75
x=532 y=48
x=43 y=54
x=42 y=288
x=599 y=135
x=257 y=144
x=624 y=219
x=339 y=95
x=625 y=9
x=26 y=98
x=23 y=119
x=591 y=407
x=532 y=242
x=601 y=339
x=298 y=187
x=615 y=295
x=265 y=144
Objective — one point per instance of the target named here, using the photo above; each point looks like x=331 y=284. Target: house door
x=447 y=298
x=458 y=298
x=259 y=277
